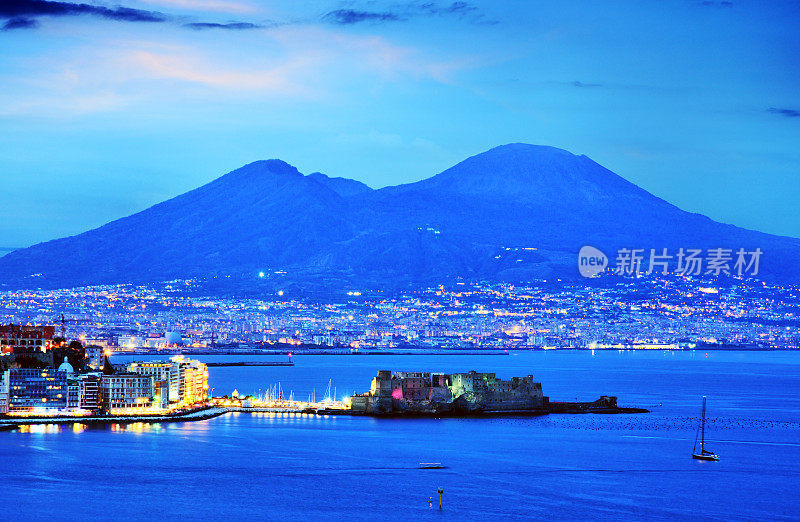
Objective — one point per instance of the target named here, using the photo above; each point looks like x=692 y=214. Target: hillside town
x=644 y=313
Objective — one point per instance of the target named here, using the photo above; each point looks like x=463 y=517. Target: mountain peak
x=520 y=157
x=528 y=148
x=258 y=175
x=536 y=174
x=268 y=166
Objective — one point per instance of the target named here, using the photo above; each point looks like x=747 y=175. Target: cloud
x=207 y=5
x=22 y=14
x=315 y=64
x=350 y=16
x=582 y=84
x=454 y=8
x=35 y=8
x=20 y=22
x=189 y=67
x=782 y=111
x=238 y=26
x=405 y=11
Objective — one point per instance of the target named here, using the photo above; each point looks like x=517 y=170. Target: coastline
x=205 y=413
x=190 y=416
x=427 y=351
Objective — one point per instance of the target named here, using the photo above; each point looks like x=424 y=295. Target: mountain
x=516 y=212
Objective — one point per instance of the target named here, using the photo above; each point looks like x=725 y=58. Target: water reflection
x=40 y=428
x=289 y=417
x=137 y=427
x=77 y=428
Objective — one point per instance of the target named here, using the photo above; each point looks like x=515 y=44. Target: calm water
x=298 y=467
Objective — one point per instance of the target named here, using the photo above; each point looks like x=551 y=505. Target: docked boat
x=704 y=454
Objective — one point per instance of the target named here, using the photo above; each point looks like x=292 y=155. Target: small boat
x=704 y=453
x=430 y=465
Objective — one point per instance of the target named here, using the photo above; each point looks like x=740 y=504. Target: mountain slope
x=522 y=196
x=342 y=186
x=515 y=212
x=265 y=213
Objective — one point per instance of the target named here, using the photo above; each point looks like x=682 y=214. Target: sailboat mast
x=703 y=427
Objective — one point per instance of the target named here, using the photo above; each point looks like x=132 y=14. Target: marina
x=415 y=394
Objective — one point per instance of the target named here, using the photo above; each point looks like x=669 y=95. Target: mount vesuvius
x=516 y=212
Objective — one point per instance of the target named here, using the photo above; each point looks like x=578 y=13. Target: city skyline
x=107 y=111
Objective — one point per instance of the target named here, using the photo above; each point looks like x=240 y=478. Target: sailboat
x=704 y=453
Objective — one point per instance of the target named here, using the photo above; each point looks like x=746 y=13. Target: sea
x=558 y=467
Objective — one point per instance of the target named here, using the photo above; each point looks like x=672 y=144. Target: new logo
x=591 y=261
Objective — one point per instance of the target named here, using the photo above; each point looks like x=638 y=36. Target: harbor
x=408 y=394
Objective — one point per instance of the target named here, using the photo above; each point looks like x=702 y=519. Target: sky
x=108 y=108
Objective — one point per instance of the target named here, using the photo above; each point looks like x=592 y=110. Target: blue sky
x=108 y=108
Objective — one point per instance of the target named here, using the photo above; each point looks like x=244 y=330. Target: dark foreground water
x=299 y=467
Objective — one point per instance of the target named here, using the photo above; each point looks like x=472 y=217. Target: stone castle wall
x=422 y=392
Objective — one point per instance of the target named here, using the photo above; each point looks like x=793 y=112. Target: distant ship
x=704 y=454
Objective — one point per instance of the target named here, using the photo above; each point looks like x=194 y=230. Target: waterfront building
x=73 y=394
x=3 y=396
x=194 y=381
x=127 y=393
x=31 y=390
x=185 y=381
x=166 y=372
x=90 y=396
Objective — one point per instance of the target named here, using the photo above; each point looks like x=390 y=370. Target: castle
x=440 y=393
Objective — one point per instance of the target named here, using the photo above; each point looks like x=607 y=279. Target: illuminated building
x=130 y=341
x=166 y=372
x=25 y=339
x=95 y=356
x=185 y=381
x=35 y=389
x=90 y=396
x=73 y=394
x=3 y=396
x=195 y=382
x=127 y=391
